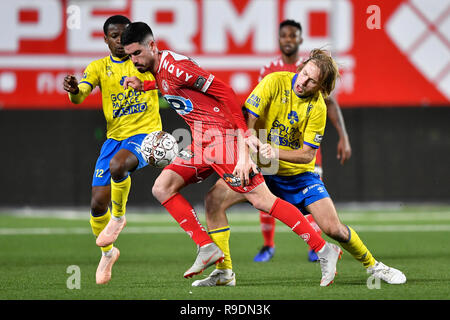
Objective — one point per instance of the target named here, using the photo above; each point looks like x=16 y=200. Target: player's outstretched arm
x=77 y=91
x=344 y=150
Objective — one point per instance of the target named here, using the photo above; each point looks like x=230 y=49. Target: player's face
x=307 y=82
x=112 y=39
x=143 y=55
x=290 y=40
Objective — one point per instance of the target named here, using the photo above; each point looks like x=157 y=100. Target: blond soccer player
x=288 y=111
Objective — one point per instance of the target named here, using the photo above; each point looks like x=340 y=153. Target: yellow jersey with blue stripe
x=127 y=112
x=286 y=120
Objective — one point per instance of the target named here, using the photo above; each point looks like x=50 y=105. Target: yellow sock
x=119 y=196
x=357 y=249
x=221 y=237
x=98 y=224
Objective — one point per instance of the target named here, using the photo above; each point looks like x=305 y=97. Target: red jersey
x=278 y=65
x=210 y=108
x=205 y=102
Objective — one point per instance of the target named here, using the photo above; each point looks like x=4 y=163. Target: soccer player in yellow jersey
x=288 y=111
x=130 y=115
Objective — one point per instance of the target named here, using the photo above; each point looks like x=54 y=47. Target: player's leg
x=327 y=218
x=312 y=256
x=166 y=190
x=218 y=199
x=128 y=158
x=119 y=166
x=261 y=198
x=100 y=212
x=123 y=162
x=267 y=223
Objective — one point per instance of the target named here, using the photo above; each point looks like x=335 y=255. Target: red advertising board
x=391 y=53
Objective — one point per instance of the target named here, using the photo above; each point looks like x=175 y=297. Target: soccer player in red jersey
x=210 y=108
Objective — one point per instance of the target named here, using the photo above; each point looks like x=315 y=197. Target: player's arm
x=139 y=85
x=223 y=92
x=79 y=91
x=312 y=137
x=344 y=149
x=254 y=106
x=303 y=155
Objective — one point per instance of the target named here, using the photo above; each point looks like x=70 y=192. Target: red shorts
x=196 y=163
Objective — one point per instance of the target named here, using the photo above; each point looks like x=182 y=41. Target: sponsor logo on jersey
x=292 y=117
x=254 y=100
x=176 y=71
x=318 y=138
x=283 y=135
x=181 y=105
x=132 y=109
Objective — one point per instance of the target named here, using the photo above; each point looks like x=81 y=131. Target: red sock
x=180 y=209
x=292 y=217
x=267 y=228
x=314 y=224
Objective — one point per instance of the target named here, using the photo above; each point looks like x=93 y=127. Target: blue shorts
x=102 y=175
x=300 y=190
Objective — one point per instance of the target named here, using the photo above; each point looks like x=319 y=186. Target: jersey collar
x=118 y=60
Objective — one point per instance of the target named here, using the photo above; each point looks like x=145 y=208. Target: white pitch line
x=238 y=229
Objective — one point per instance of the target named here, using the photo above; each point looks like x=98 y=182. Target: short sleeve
x=315 y=128
x=260 y=96
x=91 y=76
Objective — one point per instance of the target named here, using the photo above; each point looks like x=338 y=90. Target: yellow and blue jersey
x=127 y=112
x=287 y=120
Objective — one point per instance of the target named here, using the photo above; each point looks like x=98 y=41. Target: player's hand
x=70 y=84
x=267 y=151
x=243 y=169
x=344 y=150
x=133 y=82
x=253 y=143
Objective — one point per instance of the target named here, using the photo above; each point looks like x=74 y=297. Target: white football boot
x=387 y=274
x=328 y=258
x=219 y=277
x=207 y=255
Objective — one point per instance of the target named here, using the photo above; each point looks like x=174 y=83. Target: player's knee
x=99 y=205
x=118 y=169
x=335 y=231
x=259 y=204
x=162 y=191
x=213 y=200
